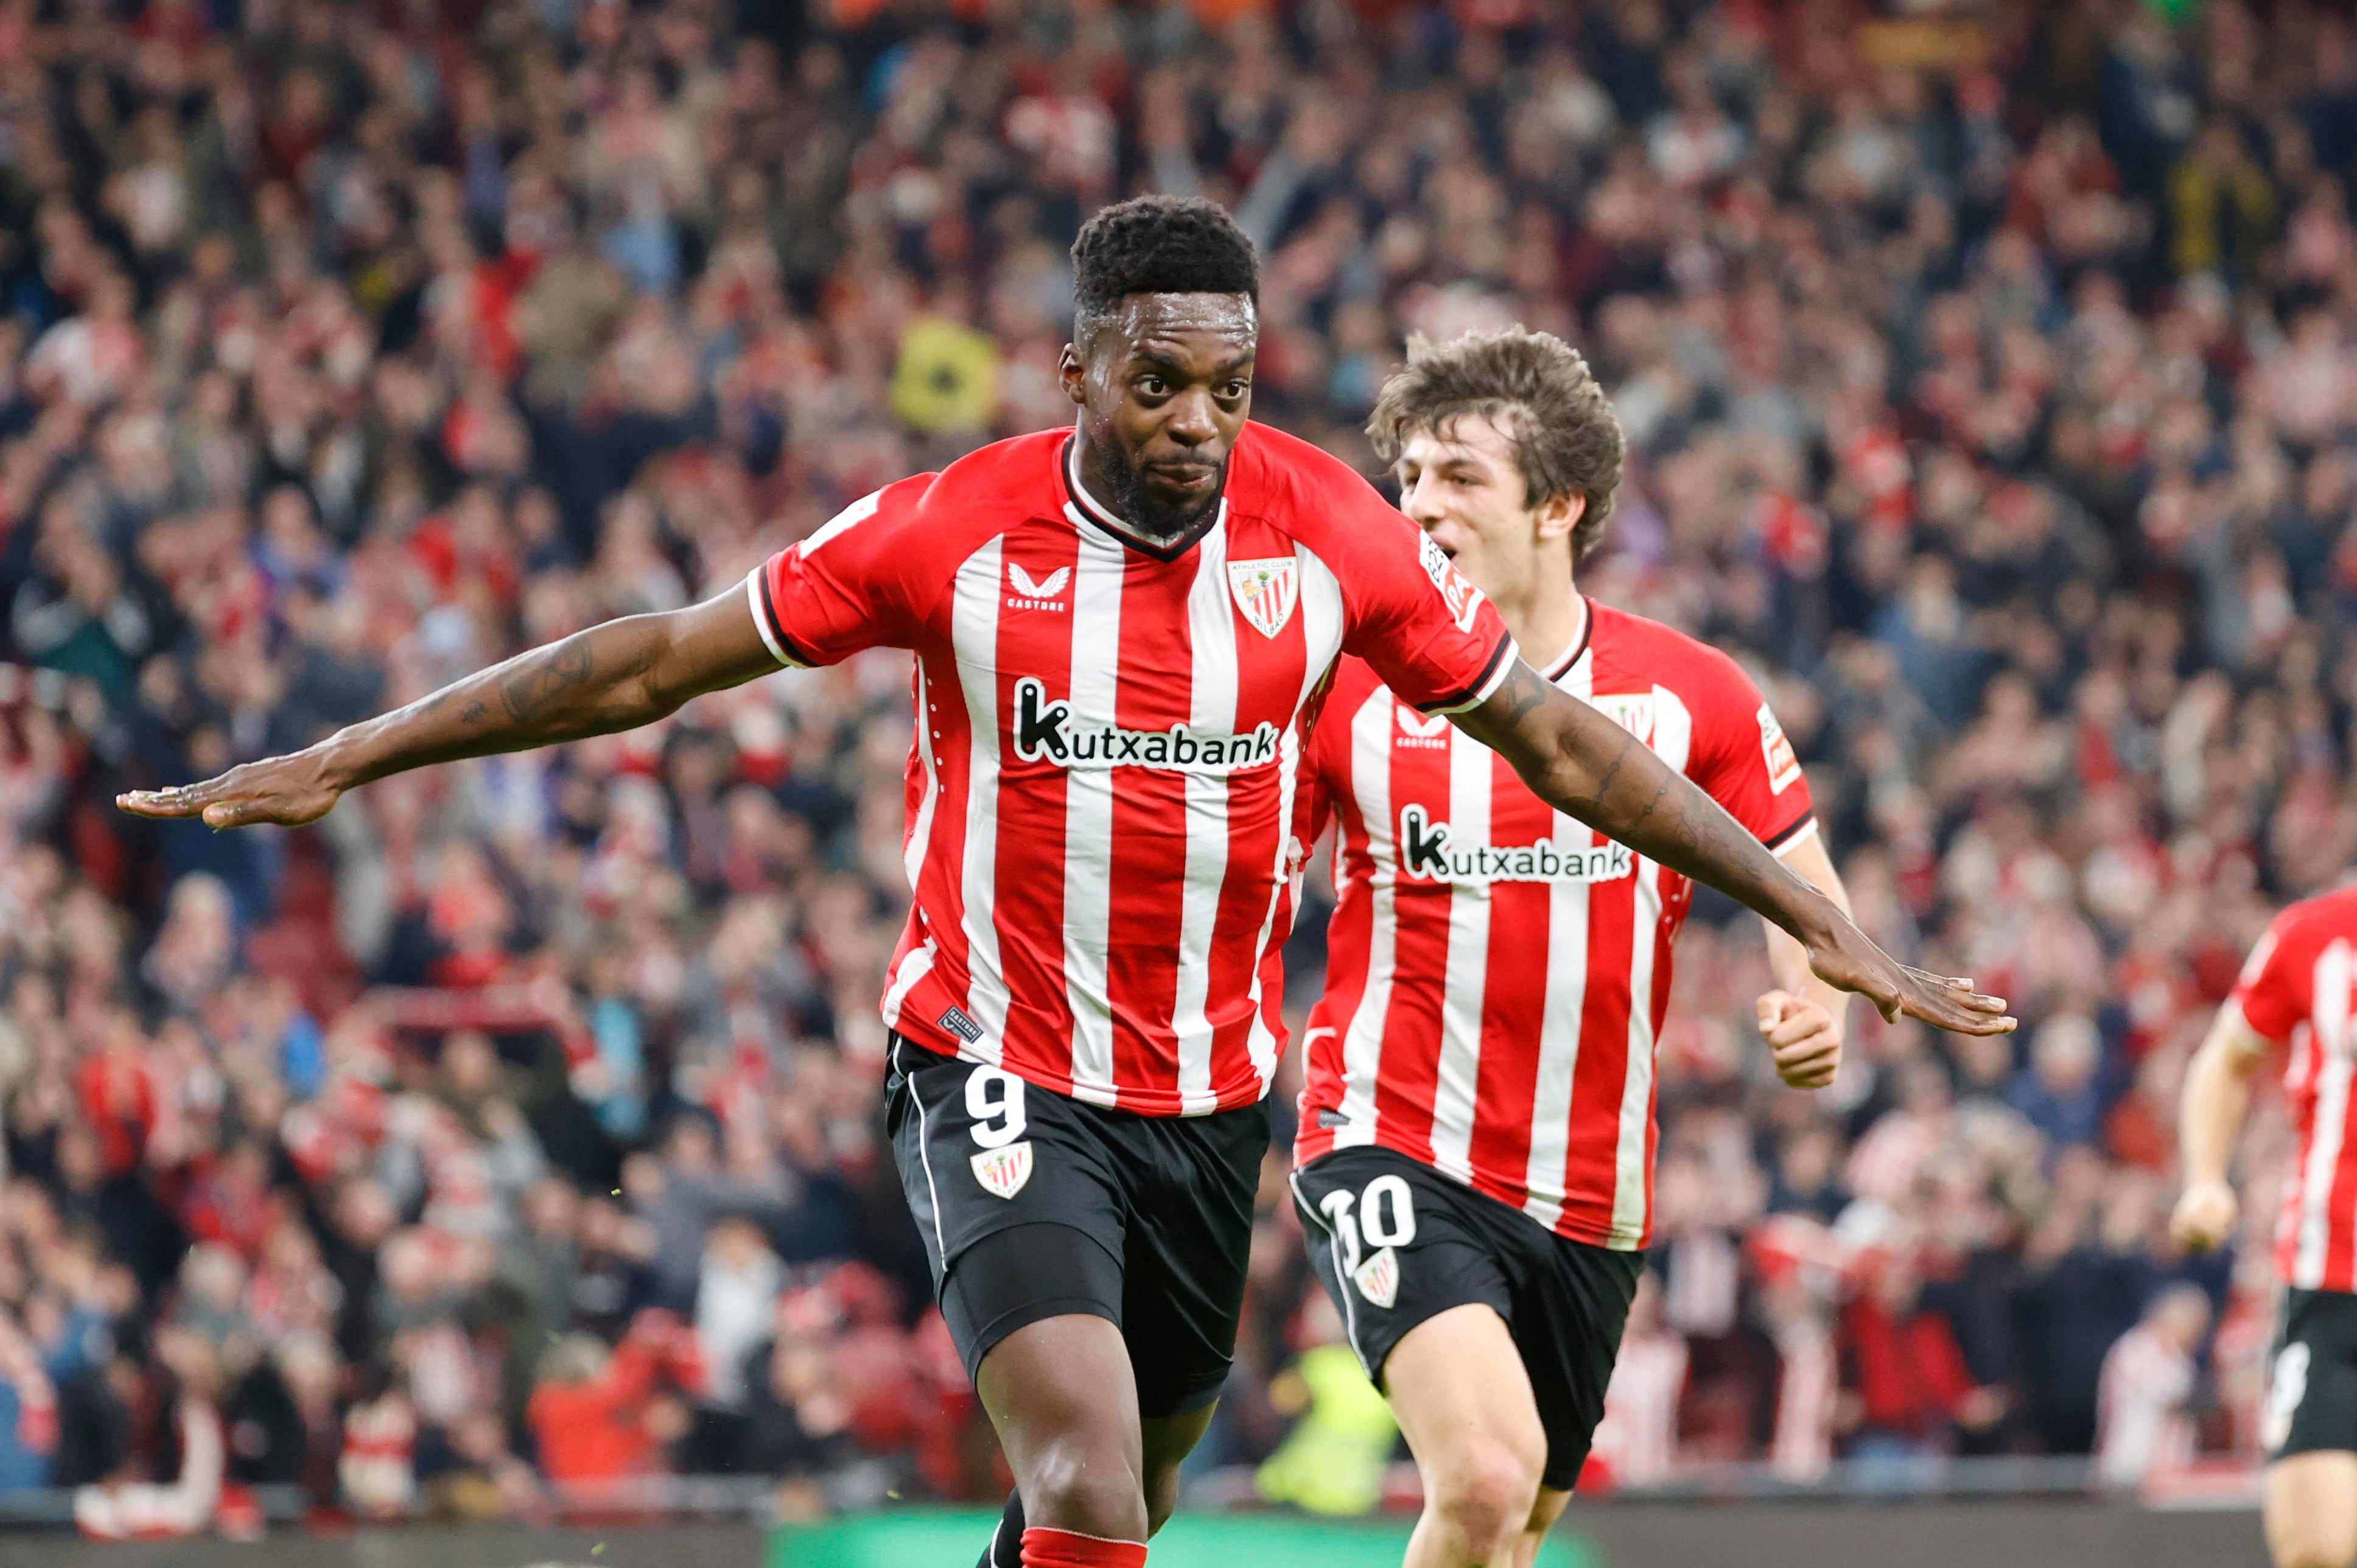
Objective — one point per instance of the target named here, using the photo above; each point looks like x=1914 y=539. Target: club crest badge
x=1378 y=1278
x=1003 y=1172
x=1265 y=591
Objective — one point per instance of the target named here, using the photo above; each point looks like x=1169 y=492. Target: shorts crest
x=1378 y=1278
x=1004 y=1172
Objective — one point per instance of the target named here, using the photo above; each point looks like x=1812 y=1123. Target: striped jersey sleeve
x=1433 y=638
x=2272 y=992
x=2298 y=991
x=1742 y=758
x=861 y=581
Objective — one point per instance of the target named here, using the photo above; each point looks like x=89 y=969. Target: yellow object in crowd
x=1333 y=1460
x=947 y=378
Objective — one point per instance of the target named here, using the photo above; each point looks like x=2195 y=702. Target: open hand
x=1802 y=1038
x=1844 y=958
x=287 y=790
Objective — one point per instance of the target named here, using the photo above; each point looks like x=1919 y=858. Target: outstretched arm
x=612 y=677
x=1587 y=767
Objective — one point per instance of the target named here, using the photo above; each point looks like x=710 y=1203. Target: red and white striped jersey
x=2298 y=989
x=1108 y=729
x=1486 y=948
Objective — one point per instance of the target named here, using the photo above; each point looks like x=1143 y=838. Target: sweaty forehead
x=1174 y=320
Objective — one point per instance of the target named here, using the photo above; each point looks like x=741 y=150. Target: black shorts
x=2311 y=1404
x=1035 y=1204
x=1396 y=1242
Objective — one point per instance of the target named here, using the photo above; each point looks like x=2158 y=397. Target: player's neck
x=1090 y=475
x=1547 y=617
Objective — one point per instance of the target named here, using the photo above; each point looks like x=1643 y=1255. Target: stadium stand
x=1990 y=376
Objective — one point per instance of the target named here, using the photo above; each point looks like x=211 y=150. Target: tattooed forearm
x=1604 y=785
x=545 y=677
x=1646 y=815
x=1586 y=766
x=1590 y=767
x=615 y=676
x=594 y=683
x=1525 y=694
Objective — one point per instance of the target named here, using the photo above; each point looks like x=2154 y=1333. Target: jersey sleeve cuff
x=1793 y=837
x=2249 y=1042
x=765 y=617
x=1493 y=676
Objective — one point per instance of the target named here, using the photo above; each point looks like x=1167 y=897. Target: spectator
x=1906 y=1387
x=28 y=1414
x=1636 y=1443
x=681 y=1193
x=601 y=1417
x=797 y=1419
x=736 y=1304
x=2144 y=1429
x=180 y=1503
x=2058 y=1092
x=378 y=1468
x=1332 y=1461
x=1808 y=1175
x=1995 y=415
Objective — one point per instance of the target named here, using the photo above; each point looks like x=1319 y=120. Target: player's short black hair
x=1159 y=244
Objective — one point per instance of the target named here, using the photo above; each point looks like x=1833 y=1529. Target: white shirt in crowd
x=2142 y=1427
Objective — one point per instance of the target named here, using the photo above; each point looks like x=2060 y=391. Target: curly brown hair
x=1538 y=391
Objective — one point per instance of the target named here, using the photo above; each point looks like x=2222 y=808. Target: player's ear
x=1561 y=515
x=1073 y=374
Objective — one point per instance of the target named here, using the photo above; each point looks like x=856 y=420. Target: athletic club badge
x=1265 y=591
x=1003 y=1171
x=1378 y=1278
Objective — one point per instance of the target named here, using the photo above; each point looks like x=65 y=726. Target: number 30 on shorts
x=1384 y=1219
x=994 y=1104
x=2286 y=1390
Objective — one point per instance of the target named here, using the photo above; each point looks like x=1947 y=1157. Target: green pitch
x=945 y=1538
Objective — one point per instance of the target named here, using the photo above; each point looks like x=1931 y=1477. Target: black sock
x=1006 y=1547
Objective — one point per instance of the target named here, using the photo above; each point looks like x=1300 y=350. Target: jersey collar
x=1579 y=650
x=1087 y=512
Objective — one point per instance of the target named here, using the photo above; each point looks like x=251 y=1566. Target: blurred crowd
x=1991 y=375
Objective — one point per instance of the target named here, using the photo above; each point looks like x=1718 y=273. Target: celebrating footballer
x=1142 y=645
x=1476 y=1155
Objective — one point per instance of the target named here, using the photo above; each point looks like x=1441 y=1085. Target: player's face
x=1165 y=387
x=1462 y=487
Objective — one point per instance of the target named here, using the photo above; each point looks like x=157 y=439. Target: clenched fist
x=2205 y=1216
x=1803 y=1038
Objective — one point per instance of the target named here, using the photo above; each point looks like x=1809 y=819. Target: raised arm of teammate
x=1585 y=765
x=1804 y=1019
x=616 y=676
x=2217 y=1096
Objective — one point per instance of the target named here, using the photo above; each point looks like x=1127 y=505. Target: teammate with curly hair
x=1475 y=1155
